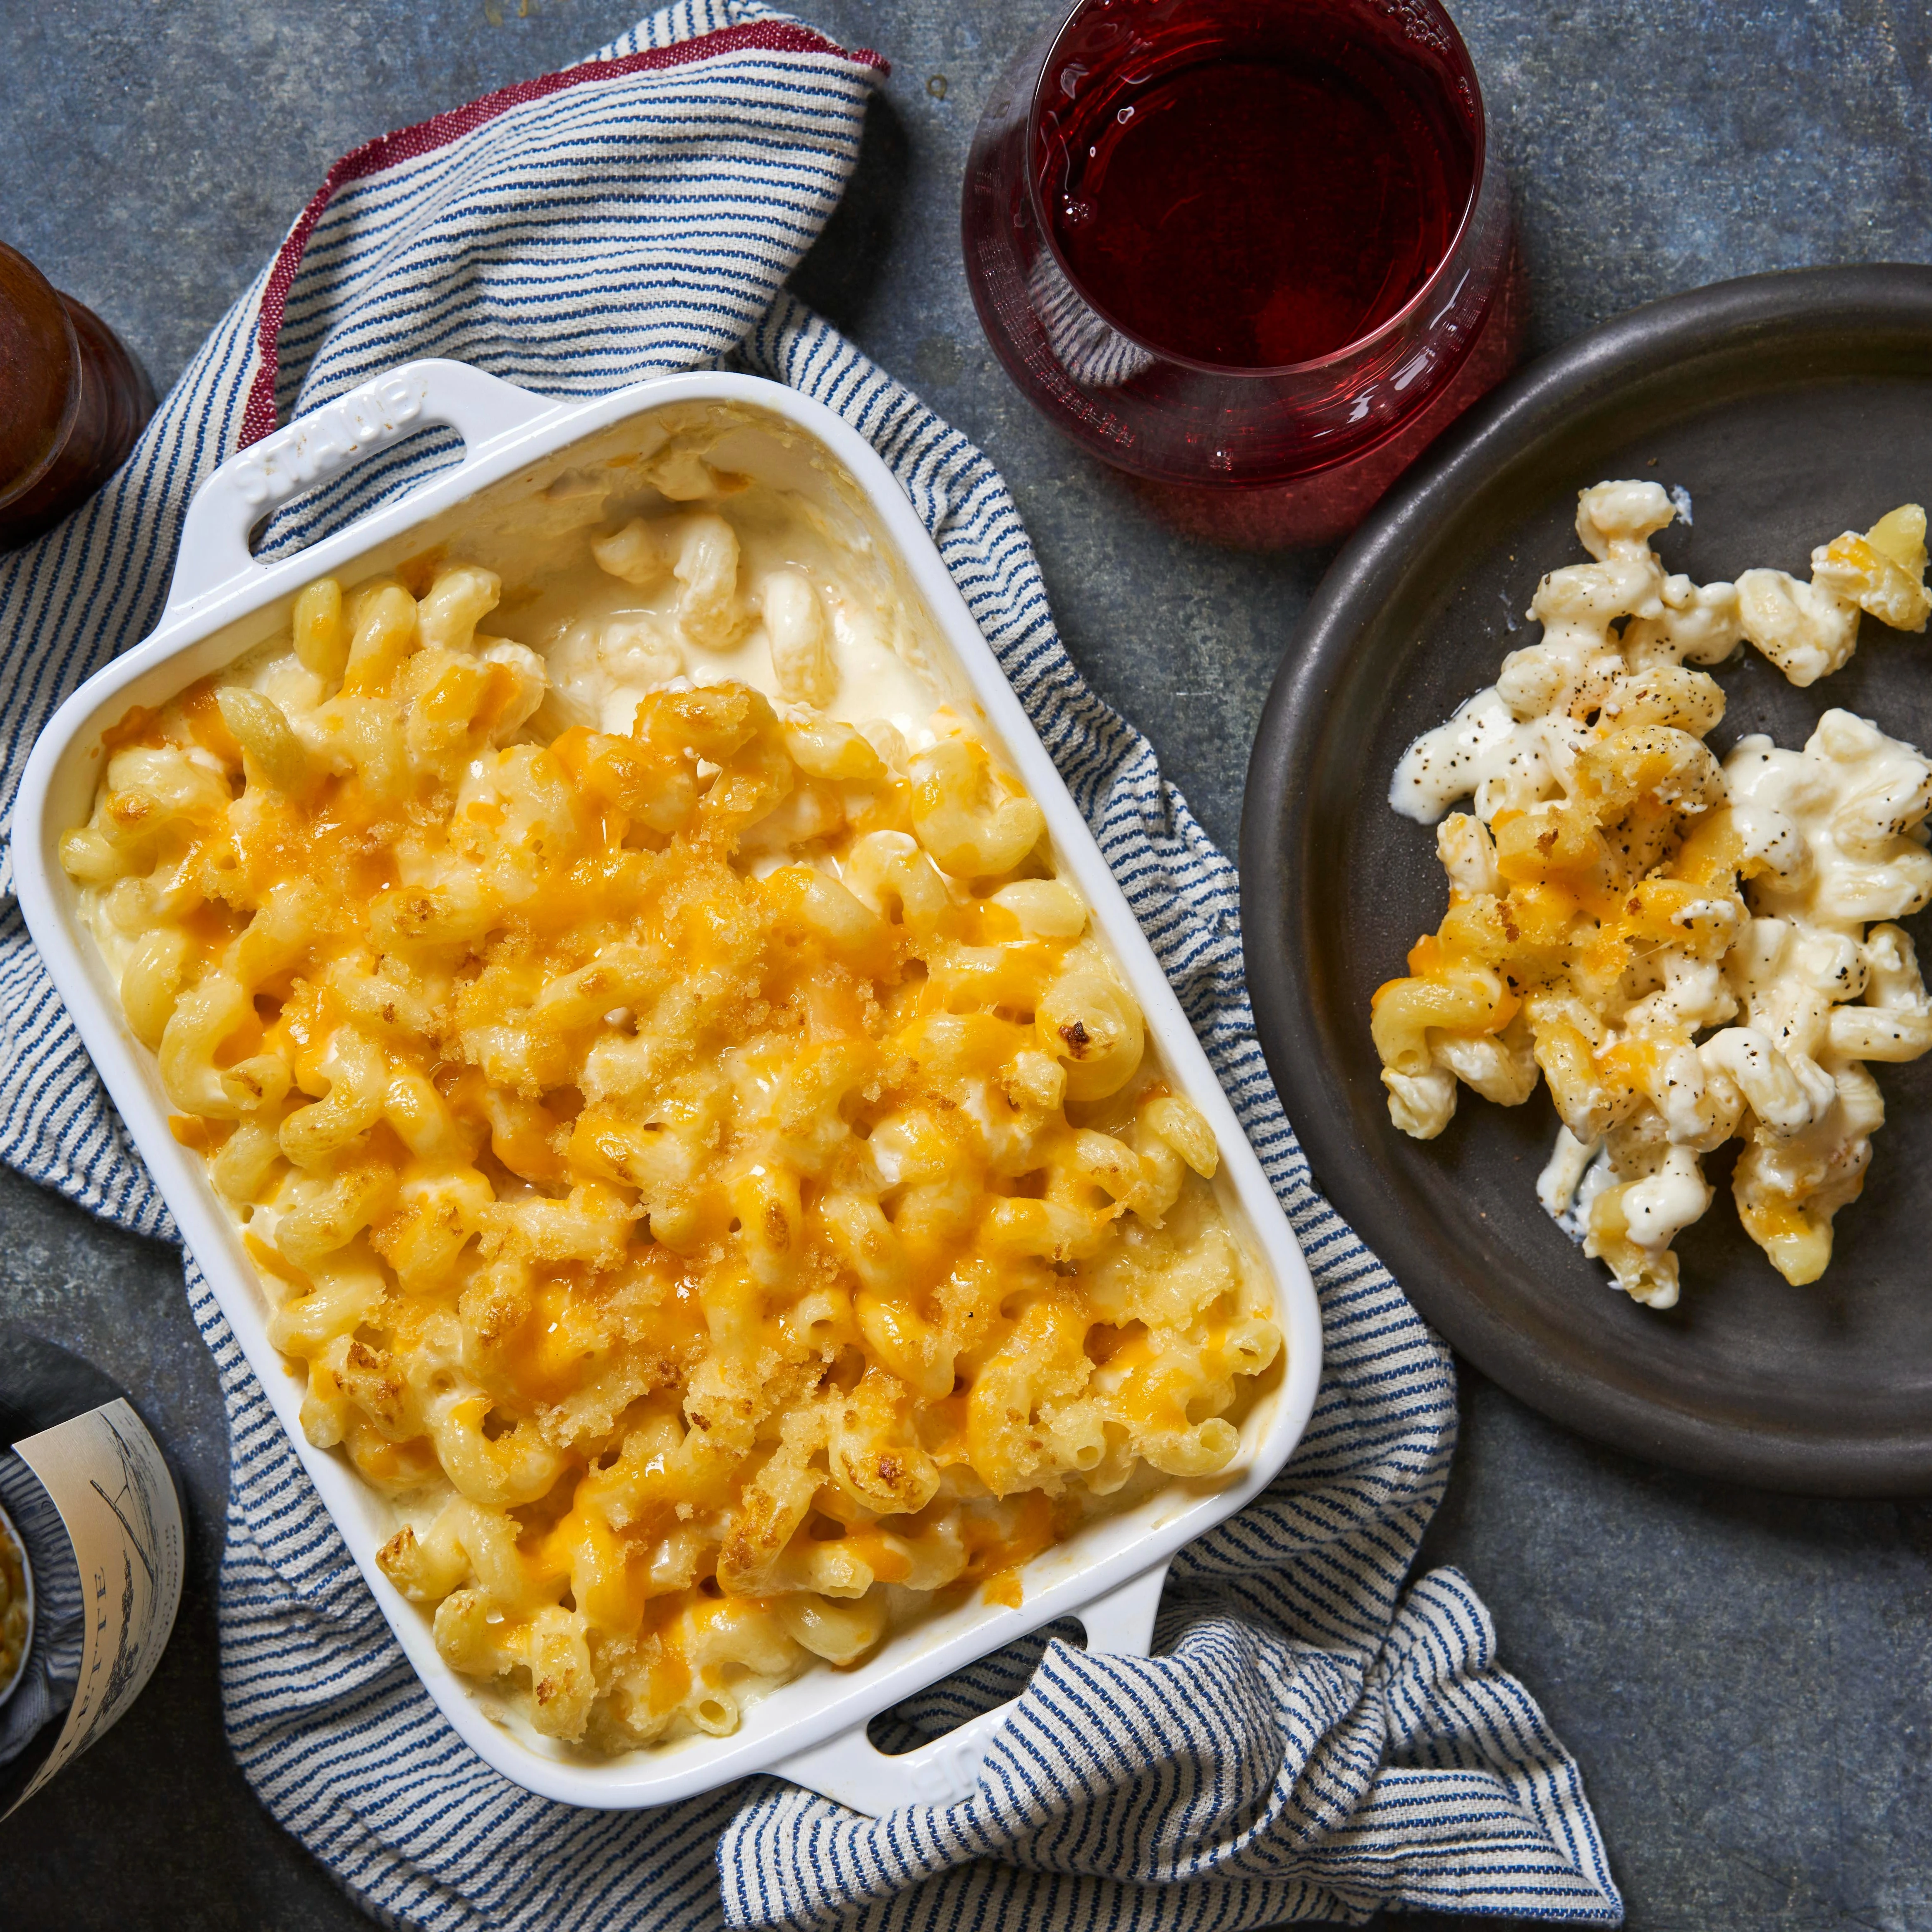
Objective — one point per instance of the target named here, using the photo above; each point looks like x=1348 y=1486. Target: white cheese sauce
x=1515 y=742
x=607 y=642
x=1832 y=840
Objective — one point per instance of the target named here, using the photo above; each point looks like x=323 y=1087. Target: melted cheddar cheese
x=708 y=1170
x=1618 y=898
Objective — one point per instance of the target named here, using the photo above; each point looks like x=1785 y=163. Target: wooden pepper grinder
x=72 y=401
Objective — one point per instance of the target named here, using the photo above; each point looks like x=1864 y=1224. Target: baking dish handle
x=852 y=1769
x=481 y=409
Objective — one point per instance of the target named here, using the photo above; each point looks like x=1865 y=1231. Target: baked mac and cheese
x=1686 y=951
x=710 y=1171
x=12 y=1607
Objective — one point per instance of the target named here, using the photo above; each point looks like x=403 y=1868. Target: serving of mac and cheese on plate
x=712 y=1176
x=1686 y=950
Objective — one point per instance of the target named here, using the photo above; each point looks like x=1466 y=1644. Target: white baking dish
x=222 y=603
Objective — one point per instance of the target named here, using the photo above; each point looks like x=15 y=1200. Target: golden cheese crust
x=13 y=1608
x=710 y=1175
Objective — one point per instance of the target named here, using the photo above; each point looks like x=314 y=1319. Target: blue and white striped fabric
x=1311 y=1740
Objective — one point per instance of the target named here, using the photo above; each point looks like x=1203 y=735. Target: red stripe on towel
x=408 y=144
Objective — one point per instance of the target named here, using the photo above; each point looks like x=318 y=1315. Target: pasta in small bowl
x=625 y=1011
x=16 y=1609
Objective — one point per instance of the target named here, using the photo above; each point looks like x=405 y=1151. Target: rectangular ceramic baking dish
x=222 y=602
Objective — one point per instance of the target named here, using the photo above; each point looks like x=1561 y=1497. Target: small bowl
x=10 y=1538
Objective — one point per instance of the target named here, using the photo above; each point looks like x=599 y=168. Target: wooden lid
x=39 y=375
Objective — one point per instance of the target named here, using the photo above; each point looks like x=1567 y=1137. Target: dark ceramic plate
x=1791 y=406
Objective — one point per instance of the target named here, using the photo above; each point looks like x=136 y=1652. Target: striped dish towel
x=1311 y=1740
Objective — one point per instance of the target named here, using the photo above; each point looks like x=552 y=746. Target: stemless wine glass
x=1267 y=379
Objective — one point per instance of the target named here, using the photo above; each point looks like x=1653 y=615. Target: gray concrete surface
x=1744 y=1678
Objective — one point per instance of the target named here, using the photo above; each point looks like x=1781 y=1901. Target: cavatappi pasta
x=709 y=1172
x=1684 y=951
x=13 y=1608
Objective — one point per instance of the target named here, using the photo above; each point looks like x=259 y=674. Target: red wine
x=1257 y=207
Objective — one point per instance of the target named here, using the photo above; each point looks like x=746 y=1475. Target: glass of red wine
x=1253 y=252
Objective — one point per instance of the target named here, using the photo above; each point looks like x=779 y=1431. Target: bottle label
x=114 y=1494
